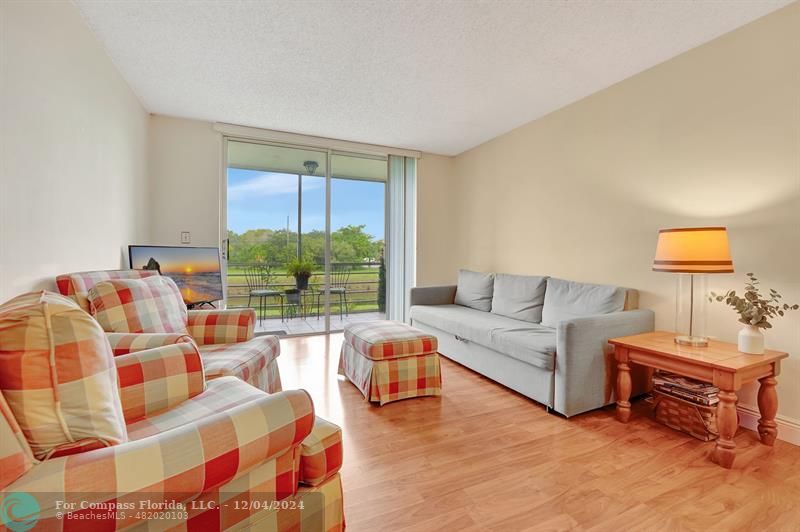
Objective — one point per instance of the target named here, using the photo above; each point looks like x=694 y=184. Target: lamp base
x=694 y=341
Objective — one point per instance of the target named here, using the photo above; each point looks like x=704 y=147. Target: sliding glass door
x=305 y=236
x=358 y=228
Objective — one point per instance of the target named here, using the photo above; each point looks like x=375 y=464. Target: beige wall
x=184 y=181
x=711 y=137
x=73 y=180
x=435 y=228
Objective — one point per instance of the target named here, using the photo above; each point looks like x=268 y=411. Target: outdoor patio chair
x=340 y=275
x=258 y=278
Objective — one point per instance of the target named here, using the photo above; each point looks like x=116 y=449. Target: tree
x=278 y=246
x=382 y=285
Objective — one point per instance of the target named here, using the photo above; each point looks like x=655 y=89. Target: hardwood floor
x=482 y=457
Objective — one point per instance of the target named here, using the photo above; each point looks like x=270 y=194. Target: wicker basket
x=696 y=420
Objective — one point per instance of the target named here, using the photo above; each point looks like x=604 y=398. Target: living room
x=539 y=141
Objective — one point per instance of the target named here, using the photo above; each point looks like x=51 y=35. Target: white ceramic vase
x=751 y=340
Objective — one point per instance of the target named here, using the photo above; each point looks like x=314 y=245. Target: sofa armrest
x=124 y=343
x=433 y=295
x=221 y=326
x=157 y=379
x=175 y=465
x=321 y=453
x=585 y=371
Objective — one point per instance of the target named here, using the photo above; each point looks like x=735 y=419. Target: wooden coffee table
x=721 y=364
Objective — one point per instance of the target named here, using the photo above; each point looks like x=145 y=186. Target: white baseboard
x=788 y=428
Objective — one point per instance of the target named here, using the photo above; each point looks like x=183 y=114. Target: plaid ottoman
x=389 y=361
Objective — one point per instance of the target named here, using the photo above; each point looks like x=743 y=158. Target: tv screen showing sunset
x=195 y=270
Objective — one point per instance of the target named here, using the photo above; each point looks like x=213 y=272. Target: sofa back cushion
x=564 y=300
x=76 y=285
x=519 y=296
x=57 y=374
x=475 y=290
x=150 y=305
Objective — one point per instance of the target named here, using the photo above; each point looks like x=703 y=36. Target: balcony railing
x=362 y=287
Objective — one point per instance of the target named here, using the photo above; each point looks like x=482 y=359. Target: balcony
x=301 y=314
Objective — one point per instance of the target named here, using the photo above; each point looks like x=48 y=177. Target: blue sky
x=263 y=200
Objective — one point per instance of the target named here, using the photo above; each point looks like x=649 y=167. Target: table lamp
x=692 y=251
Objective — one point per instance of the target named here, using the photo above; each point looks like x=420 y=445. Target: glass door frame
x=329 y=153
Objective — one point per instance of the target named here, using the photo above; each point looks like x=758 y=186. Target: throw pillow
x=519 y=296
x=564 y=300
x=149 y=305
x=475 y=290
x=57 y=374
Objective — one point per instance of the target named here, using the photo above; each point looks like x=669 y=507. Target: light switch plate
x=186 y=237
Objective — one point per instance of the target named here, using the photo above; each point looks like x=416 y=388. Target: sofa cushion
x=474 y=290
x=519 y=296
x=464 y=322
x=535 y=346
x=149 y=305
x=242 y=359
x=564 y=300
x=525 y=341
x=57 y=374
x=220 y=395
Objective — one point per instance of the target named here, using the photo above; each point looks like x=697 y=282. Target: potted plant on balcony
x=301 y=270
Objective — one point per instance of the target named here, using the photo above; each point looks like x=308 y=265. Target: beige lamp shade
x=693 y=250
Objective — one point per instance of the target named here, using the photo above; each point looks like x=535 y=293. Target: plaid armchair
x=224 y=337
x=199 y=455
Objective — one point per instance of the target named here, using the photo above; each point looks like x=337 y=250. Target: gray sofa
x=543 y=337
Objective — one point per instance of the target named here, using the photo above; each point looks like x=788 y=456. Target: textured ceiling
x=439 y=76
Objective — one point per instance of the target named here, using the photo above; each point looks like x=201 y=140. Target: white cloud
x=268 y=184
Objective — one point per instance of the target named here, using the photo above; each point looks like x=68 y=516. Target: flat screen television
x=195 y=270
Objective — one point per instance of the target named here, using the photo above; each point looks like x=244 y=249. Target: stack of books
x=691 y=390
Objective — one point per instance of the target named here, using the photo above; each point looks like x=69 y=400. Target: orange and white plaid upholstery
x=57 y=374
x=221 y=458
x=124 y=343
x=150 y=305
x=321 y=453
x=384 y=381
x=272 y=377
x=16 y=457
x=225 y=336
x=221 y=326
x=76 y=285
x=252 y=361
x=316 y=508
x=189 y=462
x=155 y=380
x=242 y=504
x=384 y=339
x=220 y=395
x=387 y=371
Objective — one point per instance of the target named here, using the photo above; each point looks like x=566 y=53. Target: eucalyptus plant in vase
x=755 y=310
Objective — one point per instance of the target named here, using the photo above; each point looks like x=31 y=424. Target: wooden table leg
x=727 y=423
x=623 y=386
x=768 y=406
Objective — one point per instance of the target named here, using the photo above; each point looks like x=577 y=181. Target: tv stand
x=200 y=304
